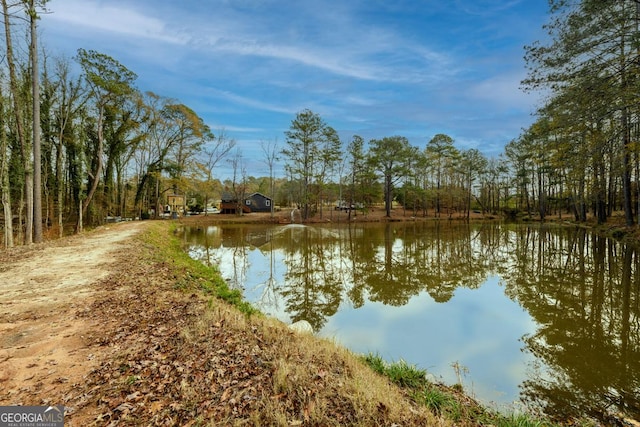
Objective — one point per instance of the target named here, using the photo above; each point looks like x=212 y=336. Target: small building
x=258 y=202
x=255 y=202
x=229 y=204
x=175 y=205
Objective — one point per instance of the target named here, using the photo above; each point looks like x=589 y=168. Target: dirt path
x=42 y=289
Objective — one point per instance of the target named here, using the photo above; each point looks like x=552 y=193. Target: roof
x=258 y=194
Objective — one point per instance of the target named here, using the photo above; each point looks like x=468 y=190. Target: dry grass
x=307 y=381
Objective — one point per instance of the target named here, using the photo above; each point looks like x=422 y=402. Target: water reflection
x=556 y=309
x=583 y=292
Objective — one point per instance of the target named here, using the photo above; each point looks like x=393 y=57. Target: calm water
x=543 y=317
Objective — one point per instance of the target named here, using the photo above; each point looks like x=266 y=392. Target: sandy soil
x=43 y=288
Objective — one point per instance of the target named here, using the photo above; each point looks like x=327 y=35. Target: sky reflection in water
x=478 y=328
x=544 y=316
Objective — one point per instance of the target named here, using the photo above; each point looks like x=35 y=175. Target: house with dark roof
x=258 y=202
x=229 y=204
x=255 y=202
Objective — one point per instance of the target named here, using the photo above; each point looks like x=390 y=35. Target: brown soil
x=44 y=345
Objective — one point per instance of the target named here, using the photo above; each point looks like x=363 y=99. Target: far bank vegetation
x=81 y=144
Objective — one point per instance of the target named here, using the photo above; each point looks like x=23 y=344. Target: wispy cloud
x=351 y=50
x=485 y=7
x=372 y=68
x=249 y=102
x=114 y=20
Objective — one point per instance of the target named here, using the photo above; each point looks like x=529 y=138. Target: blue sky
x=374 y=68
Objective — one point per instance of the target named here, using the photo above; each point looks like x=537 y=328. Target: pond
x=537 y=316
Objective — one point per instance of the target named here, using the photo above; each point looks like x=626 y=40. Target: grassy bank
x=288 y=378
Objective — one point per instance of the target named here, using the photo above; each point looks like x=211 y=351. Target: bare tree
x=270 y=151
x=239 y=173
x=218 y=148
x=71 y=98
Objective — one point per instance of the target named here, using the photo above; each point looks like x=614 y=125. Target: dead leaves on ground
x=159 y=376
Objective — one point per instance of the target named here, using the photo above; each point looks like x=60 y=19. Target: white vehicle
x=342 y=205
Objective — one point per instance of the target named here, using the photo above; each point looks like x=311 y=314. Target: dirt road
x=43 y=289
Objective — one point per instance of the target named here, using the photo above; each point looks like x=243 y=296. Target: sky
x=373 y=68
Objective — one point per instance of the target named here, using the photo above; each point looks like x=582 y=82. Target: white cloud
x=101 y=17
x=352 y=48
x=366 y=68
x=502 y=90
x=249 y=102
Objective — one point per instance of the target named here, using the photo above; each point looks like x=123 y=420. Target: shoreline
x=615 y=228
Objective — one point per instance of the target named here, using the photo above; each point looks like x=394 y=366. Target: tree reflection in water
x=583 y=291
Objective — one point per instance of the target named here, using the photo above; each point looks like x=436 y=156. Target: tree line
x=320 y=169
x=77 y=148
x=582 y=151
x=580 y=156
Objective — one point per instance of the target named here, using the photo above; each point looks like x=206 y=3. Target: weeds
x=194 y=273
x=460 y=371
x=449 y=402
x=400 y=373
x=435 y=399
x=132 y=379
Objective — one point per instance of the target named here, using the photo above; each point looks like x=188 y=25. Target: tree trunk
x=542 y=202
x=80 y=226
x=626 y=173
x=387 y=195
x=17 y=111
x=60 y=184
x=37 y=164
x=5 y=189
x=98 y=171
x=6 y=205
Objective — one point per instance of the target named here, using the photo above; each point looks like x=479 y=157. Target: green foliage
x=312 y=153
x=195 y=275
x=391 y=157
x=406 y=375
x=437 y=400
x=375 y=362
x=584 y=137
x=132 y=379
x=401 y=373
x=520 y=420
x=447 y=402
x=412 y=197
x=106 y=76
